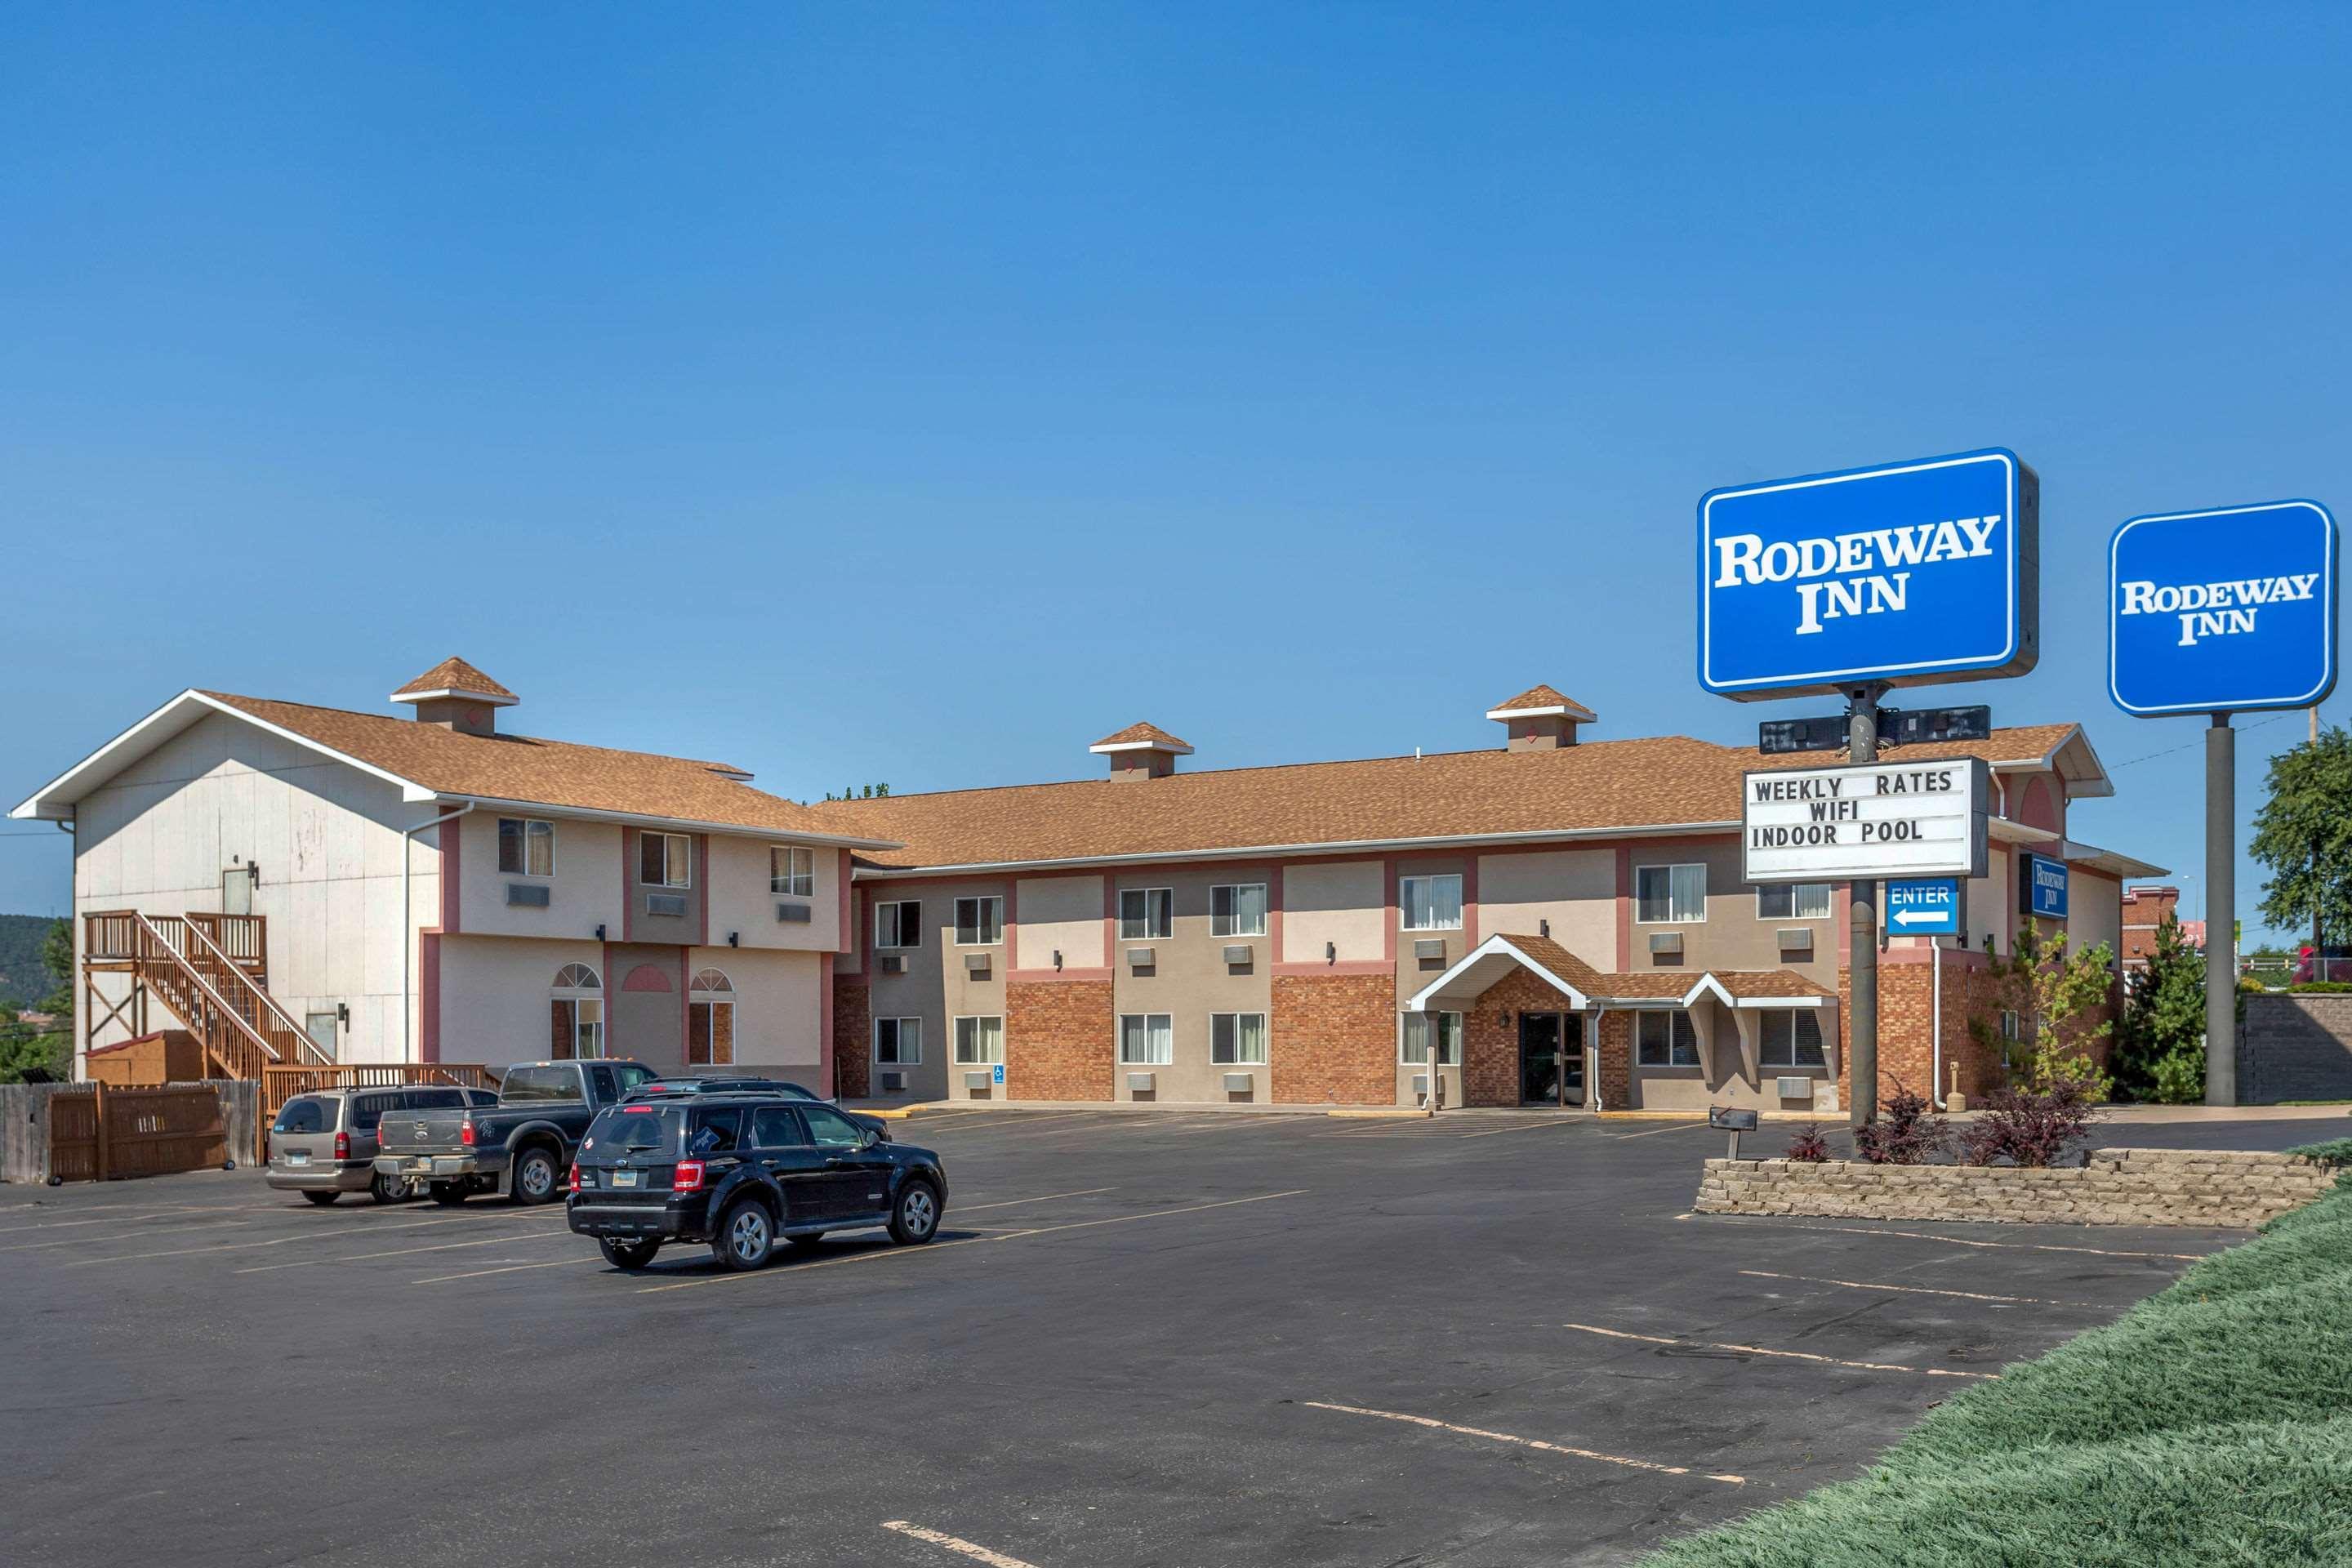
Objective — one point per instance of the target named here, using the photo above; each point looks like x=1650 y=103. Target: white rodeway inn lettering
x=1850 y=573
x=2214 y=609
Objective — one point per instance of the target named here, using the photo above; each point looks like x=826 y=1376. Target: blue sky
x=918 y=393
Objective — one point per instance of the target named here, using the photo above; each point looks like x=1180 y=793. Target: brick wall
x=1906 y=1015
x=1616 y=1044
x=2119 y=1186
x=1490 y=1036
x=1334 y=1039
x=1060 y=1039
x=853 y=1042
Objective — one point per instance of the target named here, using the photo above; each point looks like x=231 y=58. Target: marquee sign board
x=1912 y=572
x=1861 y=824
x=2232 y=608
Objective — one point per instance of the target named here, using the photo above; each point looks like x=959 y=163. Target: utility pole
x=1862 y=1050
x=2220 y=912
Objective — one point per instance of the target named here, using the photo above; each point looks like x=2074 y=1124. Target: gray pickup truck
x=523 y=1144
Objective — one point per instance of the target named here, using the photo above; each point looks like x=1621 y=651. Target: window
x=775 y=1127
x=1665 y=1040
x=899 y=1042
x=980 y=922
x=715 y=1131
x=1431 y=903
x=792 y=872
x=664 y=860
x=829 y=1128
x=320 y=1027
x=1145 y=914
x=1146 y=1040
x=307 y=1113
x=1419 y=1027
x=1793 y=902
x=710 y=1019
x=576 y=1013
x=1669 y=895
x=979 y=1041
x=526 y=846
x=1237 y=910
x=526 y=1086
x=434 y=1099
x=1237 y=1039
x=898 y=924
x=1791 y=1039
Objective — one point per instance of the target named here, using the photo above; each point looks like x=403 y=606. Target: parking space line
x=1922 y=1290
x=509 y=1269
x=972 y=1550
x=965 y=1241
x=1653 y=1131
x=1524 y=1127
x=282 y=1240
x=1790 y=1355
x=399 y=1252
x=1527 y=1442
x=2017 y=1246
x=1016 y=1203
x=89 y=1240
x=137 y=1213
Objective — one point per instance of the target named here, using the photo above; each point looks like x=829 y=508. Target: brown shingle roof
x=1658 y=985
x=454 y=674
x=1540 y=697
x=546 y=773
x=1601 y=784
x=1134 y=733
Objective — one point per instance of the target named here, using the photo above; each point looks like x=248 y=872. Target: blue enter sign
x=1924 y=907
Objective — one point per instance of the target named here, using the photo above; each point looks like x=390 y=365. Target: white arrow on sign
x=1920 y=917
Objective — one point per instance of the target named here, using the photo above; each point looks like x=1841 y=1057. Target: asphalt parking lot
x=1142 y=1339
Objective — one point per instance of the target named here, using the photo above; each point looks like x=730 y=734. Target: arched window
x=575 y=1010
x=710 y=1019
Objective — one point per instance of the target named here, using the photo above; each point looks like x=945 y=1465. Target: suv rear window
x=633 y=1129
x=525 y=1084
x=306 y=1113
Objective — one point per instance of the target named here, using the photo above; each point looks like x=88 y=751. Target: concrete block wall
x=2296 y=1047
x=2208 y=1187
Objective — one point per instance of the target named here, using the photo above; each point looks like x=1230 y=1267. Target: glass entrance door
x=1550 y=1049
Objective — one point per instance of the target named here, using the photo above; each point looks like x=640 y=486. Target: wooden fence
x=100 y=1133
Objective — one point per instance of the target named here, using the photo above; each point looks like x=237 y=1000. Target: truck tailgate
x=421 y=1132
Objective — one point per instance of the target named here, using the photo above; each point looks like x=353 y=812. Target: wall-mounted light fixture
x=1543 y=928
x=600 y=933
x=343 y=1015
x=253 y=872
x=1331 y=953
x=733 y=939
x=1057 y=958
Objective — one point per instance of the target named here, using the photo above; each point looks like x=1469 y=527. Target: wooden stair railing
x=263 y=1012
x=240 y=1027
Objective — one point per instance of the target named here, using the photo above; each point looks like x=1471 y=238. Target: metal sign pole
x=2220 y=912
x=1861 y=1049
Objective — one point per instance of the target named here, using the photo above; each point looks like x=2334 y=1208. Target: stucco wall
x=494 y=995
x=585 y=892
x=779 y=1004
x=1064 y=913
x=327 y=839
x=1343 y=903
x=1189 y=980
x=740 y=901
x=1575 y=890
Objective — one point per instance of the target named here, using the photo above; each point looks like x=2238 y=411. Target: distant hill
x=24 y=978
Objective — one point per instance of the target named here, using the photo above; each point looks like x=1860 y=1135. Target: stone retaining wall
x=2119 y=1186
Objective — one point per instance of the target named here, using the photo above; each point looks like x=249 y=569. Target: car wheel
x=448 y=1194
x=386 y=1189
x=322 y=1199
x=629 y=1255
x=536 y=1179
x=915 y=1219
x=746 y=1236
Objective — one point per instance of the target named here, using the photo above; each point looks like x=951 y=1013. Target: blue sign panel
x=1924 y=907
x=2234 y=608
x=996 y=1074
x=1912 y=572
x=2045 y=887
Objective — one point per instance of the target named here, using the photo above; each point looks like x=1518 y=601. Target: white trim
x=996 y=940
x=904 y=1060
x=1266 y=915
x=2244 y=704
x=1173 y=748
x=1763 y=887
x=1149 y=934
x=791 y=850
x=1338 y=848
x=1460 y=898
x=901 y=945
x=955 y=1045
x=643 y=838
x=457 y=693
x=662 y=823
x=1264 y=1037
x=1119 y=1040
x=1557 y=711
x=1669 y=867
x=1418 y=1001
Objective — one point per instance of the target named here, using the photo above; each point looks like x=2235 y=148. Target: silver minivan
x=323 y=1145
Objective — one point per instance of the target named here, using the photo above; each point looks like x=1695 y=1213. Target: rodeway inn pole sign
x=1911 y=572
x=2223 y=610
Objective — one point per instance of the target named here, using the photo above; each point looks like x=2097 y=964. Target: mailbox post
x=1728 y=1119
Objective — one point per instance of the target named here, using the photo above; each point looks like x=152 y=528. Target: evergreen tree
x=2303 y=833
x=2161 y=1055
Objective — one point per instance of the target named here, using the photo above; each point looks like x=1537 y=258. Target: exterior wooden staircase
x=211 y=970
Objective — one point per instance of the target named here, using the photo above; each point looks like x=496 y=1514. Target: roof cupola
x=1142 y=752
x=455 y=696
x=1540 y=719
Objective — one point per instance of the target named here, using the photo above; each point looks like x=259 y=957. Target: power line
x=2184 y=745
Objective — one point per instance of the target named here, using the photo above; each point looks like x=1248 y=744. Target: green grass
x=2212 y=1424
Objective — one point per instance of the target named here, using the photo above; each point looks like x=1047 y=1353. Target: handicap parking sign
x=997 y=1074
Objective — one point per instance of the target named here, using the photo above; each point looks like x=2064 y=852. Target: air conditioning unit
x=1796 y=940
x=1794 y=1088
x=1138 y=958
x=672 y=904
x=976 y=963
x=1240 y=955
x=796 y=914
x=893 y=1082
x=527 y=895
x=894 y=963
x=979 y=1082
x=1666 y=944
x=1139 y=1083
x=1429 y=947
x=1239 y=1083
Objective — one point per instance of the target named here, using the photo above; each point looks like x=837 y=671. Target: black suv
x=731 y=1083
x=740 y=1170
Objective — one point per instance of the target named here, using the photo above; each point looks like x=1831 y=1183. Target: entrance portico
x=1540 y=1025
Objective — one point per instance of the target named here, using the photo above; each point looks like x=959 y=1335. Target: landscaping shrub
x=1908 y=1132
x=1810 y=1145
x=2212 y=1424
x=2027 y=1128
